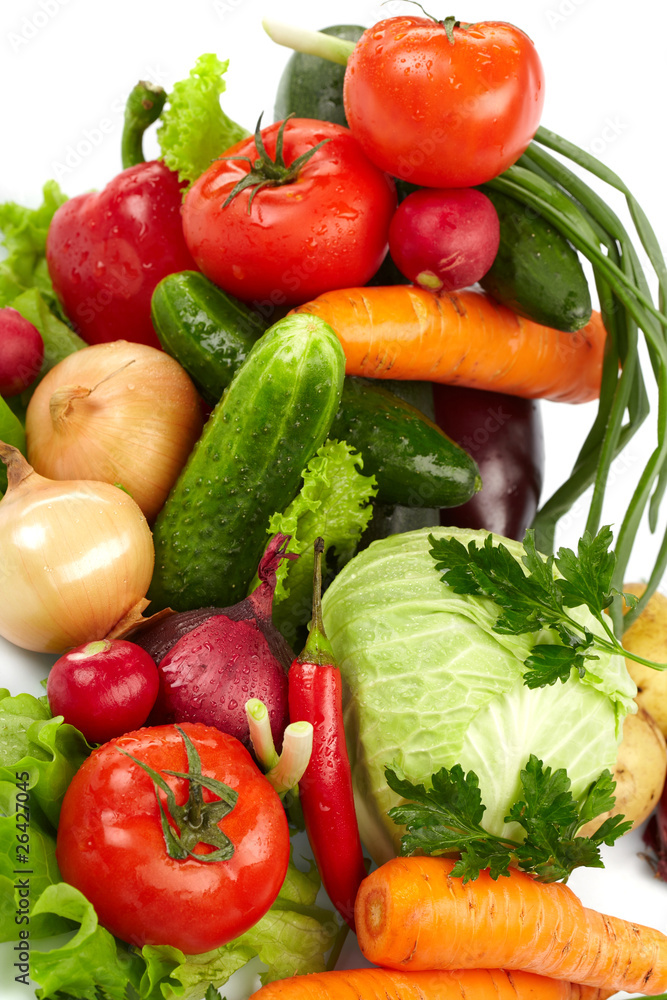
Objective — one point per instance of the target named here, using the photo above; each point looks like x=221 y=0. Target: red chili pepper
x=325 y=791
x=106 y=251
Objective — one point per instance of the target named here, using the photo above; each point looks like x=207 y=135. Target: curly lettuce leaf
x=46 y=748
x=293 y=937
x=194 y=129
x=334 y=503
x=24 y=238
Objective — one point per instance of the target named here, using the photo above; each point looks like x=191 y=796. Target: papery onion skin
x=75 y=557
x=135 y=428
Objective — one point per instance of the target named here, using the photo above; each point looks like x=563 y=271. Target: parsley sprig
x=533 y=596
x=447 y=819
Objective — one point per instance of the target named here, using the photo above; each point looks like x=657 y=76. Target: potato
x=647 y=637
x=640 y=771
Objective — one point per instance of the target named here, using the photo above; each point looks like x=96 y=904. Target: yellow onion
x=75 y=558
x=120 y=413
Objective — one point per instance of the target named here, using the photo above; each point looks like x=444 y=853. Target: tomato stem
x=196 y=821
x=265 y=172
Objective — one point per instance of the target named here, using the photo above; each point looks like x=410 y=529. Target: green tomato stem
x=314 y=43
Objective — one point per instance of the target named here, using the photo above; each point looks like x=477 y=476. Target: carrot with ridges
x=412 y=914
x=387 y=984
x=461 y=338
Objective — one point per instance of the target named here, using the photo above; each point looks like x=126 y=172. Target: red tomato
x=111 y=845
x=443 y=113
x=325 y=229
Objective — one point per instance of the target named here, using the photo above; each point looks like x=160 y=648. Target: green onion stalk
x=546 y=184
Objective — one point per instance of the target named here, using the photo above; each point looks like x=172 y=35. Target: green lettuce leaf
x=47 y=749
x=430 y=684
x=194 y=129
x=293 y=937
x=334 y=503
x=59 y=341
x=90 y=959
x=24 y=238
x=40 y=863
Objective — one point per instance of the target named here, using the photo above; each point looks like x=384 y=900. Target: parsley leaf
x=536 y=593
x=447 y=819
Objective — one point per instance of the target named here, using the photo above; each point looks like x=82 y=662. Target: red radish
x=21 y=352
x=104 y=688
x=210 y=674
x=212 y=660
x=444 y=238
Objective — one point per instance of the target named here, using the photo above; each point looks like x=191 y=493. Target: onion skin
x=120 y=413
x=76 y=556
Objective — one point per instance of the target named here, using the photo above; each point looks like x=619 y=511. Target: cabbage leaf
x=429 y=684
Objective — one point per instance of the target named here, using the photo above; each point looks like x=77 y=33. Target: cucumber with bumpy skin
x=537 y=273
x=273 y=417
x=414 y=463
x=208 y=331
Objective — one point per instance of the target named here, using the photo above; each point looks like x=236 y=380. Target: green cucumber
x=537 y=272
x=312 y=87
x=208 y=331
x=275 y=414
x=414 y=462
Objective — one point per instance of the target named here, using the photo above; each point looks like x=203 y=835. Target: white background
x=66 y=67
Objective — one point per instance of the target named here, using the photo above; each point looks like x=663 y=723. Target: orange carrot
x=463 y=338
x=411 y=914
x=386 y=984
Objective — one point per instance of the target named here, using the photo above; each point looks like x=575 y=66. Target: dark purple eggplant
x=505 y=437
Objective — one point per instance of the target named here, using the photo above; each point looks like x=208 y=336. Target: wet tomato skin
x=110 y=844
x=326 y=229
x=443 y=113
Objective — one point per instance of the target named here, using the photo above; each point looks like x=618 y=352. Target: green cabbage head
x=428 y=683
